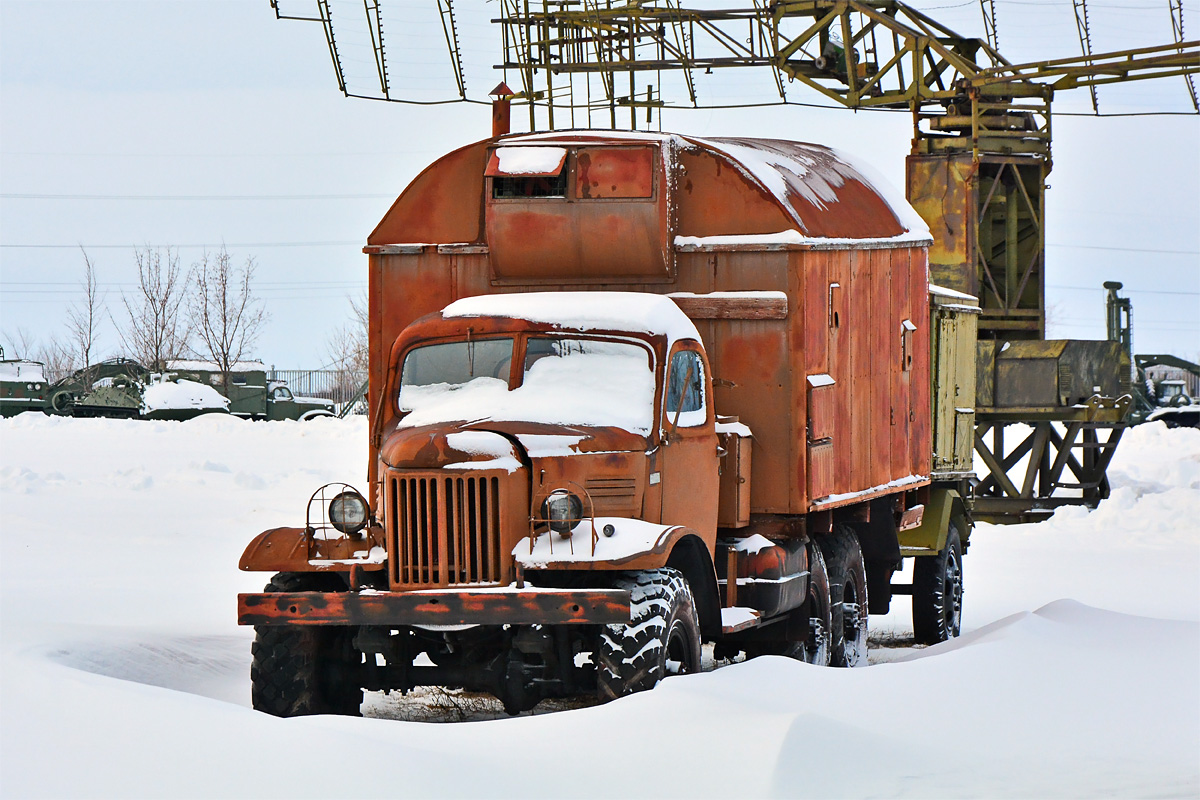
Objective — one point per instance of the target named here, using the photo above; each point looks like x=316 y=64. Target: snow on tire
x=662 y=637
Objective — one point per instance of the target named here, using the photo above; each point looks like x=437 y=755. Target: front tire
x=661 y=639
x=937 y=593
x=302 y=670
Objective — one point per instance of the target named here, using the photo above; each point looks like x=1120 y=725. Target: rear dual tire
x=848 y=582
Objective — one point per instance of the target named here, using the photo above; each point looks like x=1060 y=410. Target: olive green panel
x=930 y=535
x=1049 y=374
x=953 y=395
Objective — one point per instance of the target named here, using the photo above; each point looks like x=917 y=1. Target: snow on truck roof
x=210 y=366
x=636 y=312
x=823 y=177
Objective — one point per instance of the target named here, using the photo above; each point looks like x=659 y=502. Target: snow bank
x=123 y=673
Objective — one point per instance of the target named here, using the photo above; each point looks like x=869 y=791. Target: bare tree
x=21 y=343
x=347 y=350
x=225 y=315
x=347 y=345
x=156 y=331
x=83 y=320
x=58 y=358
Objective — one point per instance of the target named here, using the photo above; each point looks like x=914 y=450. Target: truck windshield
x=564 y=381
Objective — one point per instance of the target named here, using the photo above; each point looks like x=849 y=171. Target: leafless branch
x=225 y=315
x=156 y=331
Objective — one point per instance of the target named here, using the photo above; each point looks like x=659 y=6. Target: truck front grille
x=444 y=530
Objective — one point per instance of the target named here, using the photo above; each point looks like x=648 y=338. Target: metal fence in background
x=339 y=385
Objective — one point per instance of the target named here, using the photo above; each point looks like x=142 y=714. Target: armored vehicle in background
x=251 y=395
x=110 y=388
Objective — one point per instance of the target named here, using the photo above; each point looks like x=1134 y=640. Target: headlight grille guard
x=538 y=520
x=316 y=518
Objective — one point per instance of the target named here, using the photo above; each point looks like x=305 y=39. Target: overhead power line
x=156 y=197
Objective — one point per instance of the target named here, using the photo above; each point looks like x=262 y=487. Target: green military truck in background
x=251 y=395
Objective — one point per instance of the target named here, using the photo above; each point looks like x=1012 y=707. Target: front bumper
x=500 y=606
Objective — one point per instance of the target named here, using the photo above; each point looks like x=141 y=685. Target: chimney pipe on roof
x=501 y=108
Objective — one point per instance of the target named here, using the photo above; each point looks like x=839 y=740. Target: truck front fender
x=296 y=550
x=277 y=550
x=633 y=545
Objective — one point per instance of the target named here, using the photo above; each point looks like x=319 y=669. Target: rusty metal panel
x=716 y=199
x=822 y=410
x=941 y=189
x=442 y=204
x=614 y=172
x=821 y=469
x=733 y=503
x=463 y=607
x=920 y=444
x=582 y=235
x=753 y=368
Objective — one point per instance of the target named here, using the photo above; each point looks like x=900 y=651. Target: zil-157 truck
x=630 y=393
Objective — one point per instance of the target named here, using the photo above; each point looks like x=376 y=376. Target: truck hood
x=490 y=445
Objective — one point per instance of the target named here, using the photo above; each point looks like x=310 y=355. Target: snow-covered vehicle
x=166 y=396
x=561 y=496
x=23 y=386
x=251 y=394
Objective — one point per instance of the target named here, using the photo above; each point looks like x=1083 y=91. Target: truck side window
x=685 y=390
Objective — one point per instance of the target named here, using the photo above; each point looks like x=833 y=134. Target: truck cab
x=548 y=458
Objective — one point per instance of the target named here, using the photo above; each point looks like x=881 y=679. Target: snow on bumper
x=496 y=606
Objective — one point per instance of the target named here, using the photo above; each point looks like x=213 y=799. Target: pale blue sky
x=196 y=123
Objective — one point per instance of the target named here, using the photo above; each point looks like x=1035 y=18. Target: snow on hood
x=636 y=312
x=181 y=395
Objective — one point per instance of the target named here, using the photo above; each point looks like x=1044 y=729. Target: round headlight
x=348 y=512
x=562 y=510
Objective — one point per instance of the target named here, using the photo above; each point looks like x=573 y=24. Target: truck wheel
x=937 y=593
x=661 y=639
x=848 y=590
x=301 y=670
x=816 y=647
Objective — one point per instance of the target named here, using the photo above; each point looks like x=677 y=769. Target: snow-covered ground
x=123 y=674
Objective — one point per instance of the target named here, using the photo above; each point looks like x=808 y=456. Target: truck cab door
x=688 y=461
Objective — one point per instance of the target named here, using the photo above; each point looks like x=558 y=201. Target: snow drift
x=124 y=675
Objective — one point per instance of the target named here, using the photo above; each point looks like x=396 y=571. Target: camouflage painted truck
x=630 y=394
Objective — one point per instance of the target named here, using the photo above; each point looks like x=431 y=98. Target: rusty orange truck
x=630 y=394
